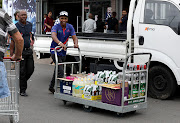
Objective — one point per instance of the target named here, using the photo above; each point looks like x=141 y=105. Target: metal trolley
x=10 y=105
x=120 y=110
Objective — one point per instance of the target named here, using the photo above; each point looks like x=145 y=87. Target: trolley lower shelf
x=101 y=105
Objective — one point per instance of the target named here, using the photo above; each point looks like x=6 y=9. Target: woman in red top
x=49 y=22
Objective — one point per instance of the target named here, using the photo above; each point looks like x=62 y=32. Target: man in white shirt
x=89 y=25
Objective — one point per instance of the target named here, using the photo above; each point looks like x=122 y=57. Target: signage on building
x=11 y=6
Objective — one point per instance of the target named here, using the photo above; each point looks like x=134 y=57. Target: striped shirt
x=6 y=25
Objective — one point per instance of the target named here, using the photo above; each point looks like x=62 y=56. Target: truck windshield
x=162 y=13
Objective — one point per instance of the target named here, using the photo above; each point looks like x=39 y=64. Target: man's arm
x=95 y=26
x=19 y=43
x=12 y=45
x=120 y=21
x=45 y=23
x=75 y=40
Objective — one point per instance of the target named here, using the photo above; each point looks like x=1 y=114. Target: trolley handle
x=135 y=54
x=10 y=58
x=60 y=49
x=7 y=58
x=127 y=58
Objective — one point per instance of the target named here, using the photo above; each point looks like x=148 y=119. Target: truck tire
x=162 y=83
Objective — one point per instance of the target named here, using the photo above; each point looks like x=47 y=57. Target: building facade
x=78 y=10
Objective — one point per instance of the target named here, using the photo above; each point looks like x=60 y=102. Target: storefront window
x=97 y=8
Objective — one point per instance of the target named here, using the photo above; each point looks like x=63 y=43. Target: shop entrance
x=74 y=9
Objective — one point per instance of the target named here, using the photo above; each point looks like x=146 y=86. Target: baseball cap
x=63 y=13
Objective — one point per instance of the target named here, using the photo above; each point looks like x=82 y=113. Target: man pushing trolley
x=8 y=95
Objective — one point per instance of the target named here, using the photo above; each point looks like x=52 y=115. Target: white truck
x=153 y=26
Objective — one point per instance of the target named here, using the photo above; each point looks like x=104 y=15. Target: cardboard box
x=79 y=75
x=90 y=97
x=112 y=93
x=92 y=92
x=65 y=86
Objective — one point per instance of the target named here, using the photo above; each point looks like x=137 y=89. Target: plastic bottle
x=74 y=86
x=143 y=85
x=76 y=90
x=81 y=87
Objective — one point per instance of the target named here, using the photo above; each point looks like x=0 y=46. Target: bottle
x=135 y=85
x=77 y=87
x=81 y=87
x=74 y=86
x=143 y=85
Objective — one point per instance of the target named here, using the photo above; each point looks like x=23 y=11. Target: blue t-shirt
x=62 y=35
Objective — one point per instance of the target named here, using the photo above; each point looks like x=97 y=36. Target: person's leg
x=60 y=71
x=4 y=89
x=51 y=86
x=29 y=66
x=23 y=80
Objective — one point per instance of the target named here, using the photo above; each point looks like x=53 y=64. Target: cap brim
x=63 y=15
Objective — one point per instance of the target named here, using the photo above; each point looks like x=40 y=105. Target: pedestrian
x=49 y=22
x=89 y=25
x=16 y=17
x=60 y=35
x=100 y=25
x=123 y=22
x=112 y=24
x=7 y=25
x=27 y=64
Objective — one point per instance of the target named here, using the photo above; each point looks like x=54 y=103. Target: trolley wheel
x=133 y=112
x=120 y=114
x=87 y=108
x=64 y=102
x=14 y=118
x=11 y=119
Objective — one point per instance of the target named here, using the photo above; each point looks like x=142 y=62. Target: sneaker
x=52 y=90
x=23 y=94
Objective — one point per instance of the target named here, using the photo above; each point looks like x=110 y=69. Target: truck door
x=158 y=30
x=158 y=33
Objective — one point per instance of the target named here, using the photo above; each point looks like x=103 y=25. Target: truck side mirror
x=179 y=28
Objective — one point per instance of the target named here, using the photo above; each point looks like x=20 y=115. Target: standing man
x=27 y=64
x=112 y=24
x=123 y=22
x=60 y=35
x=49 y=22
x=89 y=25
x=7 y=25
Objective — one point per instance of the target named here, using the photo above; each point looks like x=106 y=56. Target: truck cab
x=157 y=30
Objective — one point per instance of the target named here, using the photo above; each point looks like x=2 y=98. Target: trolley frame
x=10 y=105
x=97 y=103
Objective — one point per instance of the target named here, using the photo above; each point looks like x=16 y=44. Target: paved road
x=41 y=107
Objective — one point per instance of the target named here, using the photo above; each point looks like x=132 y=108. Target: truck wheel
x=162 y=83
